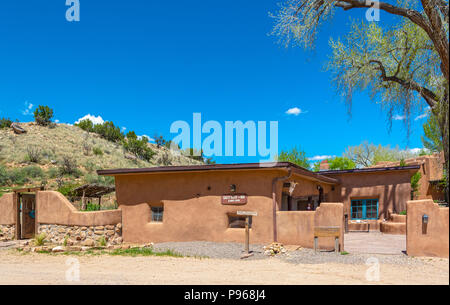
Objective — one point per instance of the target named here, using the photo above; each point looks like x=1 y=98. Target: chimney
x=324 y=165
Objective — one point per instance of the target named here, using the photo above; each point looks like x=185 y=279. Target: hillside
x=37 y=157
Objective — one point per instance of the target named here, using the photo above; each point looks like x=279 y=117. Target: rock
x=83 y=228
x=100 y=228
x=109 y=227
x=119 y=226
x=109 y=232
x=17 y=129
x=125 y=247
x=74 y=248
x=88 y=242
x=58 y=249
x=85 y=248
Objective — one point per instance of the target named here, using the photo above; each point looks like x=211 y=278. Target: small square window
x=157 y=214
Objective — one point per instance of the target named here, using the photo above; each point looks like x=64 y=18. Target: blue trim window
x=364 y=209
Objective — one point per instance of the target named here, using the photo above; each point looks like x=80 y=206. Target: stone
x=119 y=226
x=124 y=247
x=109 y=232
x=109 y=227
x=58 y=249
x=100 y=228
x=85 y=248
x=99 y=232
x=61 y=230
x=88 y=242
x=83 y=228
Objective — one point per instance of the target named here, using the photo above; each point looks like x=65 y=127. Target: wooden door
x=28 y=215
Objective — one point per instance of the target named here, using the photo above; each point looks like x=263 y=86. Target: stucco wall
x=436 y=240
x=7 y=210
x=391 y=188
x=297 y=227
x=192 y=206
x=54 y=208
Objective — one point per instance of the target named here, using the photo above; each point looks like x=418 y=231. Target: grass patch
x=402 y=212
x=144 y=252
x=344 y=253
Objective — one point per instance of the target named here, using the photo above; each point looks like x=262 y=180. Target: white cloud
x=56 y=121
x=423 y=115
x=28 y=108
x=295 y=111
x=94 y=119
x=398 y=117
x=144 y=135
x=320 y=158
x=415 y=150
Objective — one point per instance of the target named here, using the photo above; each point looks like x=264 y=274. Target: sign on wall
x=236 y=199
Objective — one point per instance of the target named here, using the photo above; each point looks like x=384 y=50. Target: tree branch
x=429 y=96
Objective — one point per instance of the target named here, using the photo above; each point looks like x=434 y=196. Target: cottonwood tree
x=367 y=154
x=404 y=63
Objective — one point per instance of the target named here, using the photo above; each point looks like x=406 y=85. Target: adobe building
x=432 y=173
x=188 y=203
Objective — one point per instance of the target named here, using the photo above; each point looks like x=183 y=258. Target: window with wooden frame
x=157 y=213
x=364 y=208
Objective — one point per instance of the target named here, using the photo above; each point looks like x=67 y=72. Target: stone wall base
x=7 y=232
x=79 y=235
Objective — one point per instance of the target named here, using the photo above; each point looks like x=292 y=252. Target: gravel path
x=211 y=249
x=300 y=256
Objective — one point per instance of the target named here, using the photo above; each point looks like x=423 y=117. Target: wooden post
x=336 y=245
x=316 y=239
x=99 y=202
x=83 y=205
x=247 y=235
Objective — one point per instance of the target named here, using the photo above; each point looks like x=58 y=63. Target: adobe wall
x=297 y=227
x=391 y=188
x=7 y=217
x=54 y=208
x=192 y=205
x=60 y=221
x=7 y=210
x=436 y=240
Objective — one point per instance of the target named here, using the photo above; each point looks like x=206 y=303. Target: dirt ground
x=16 y=268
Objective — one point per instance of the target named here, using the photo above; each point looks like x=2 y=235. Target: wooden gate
x=28 y=213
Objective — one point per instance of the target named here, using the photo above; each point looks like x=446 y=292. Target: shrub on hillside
x=69 y=167
x=101 y=180
x=86 y=125
x=109 y=131
x=97 y=151
x=43 y=115
x=33 y=154
x=138 y=147
x=5 y=123
x=67 y=189
x=33 y=172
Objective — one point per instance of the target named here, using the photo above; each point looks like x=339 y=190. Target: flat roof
x=219 y=167
x=370 y=170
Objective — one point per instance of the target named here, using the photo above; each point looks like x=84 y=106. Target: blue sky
x=145 y=64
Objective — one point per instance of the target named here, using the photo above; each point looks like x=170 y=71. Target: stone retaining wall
x=82 y=235
x=7 y=232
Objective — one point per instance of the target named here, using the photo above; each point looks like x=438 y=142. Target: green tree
x=432 y=138
x=296 y=156
x=43 y=115
x=415 y=184
x=86 y=125
x=340 y=163
x=403 y=63
x=5 y=123
x=367 y=154
x=138 y=147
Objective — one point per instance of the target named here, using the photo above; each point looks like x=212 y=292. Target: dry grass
x=55 y=144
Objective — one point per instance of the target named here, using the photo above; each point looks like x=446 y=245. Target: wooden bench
x=327 y=232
